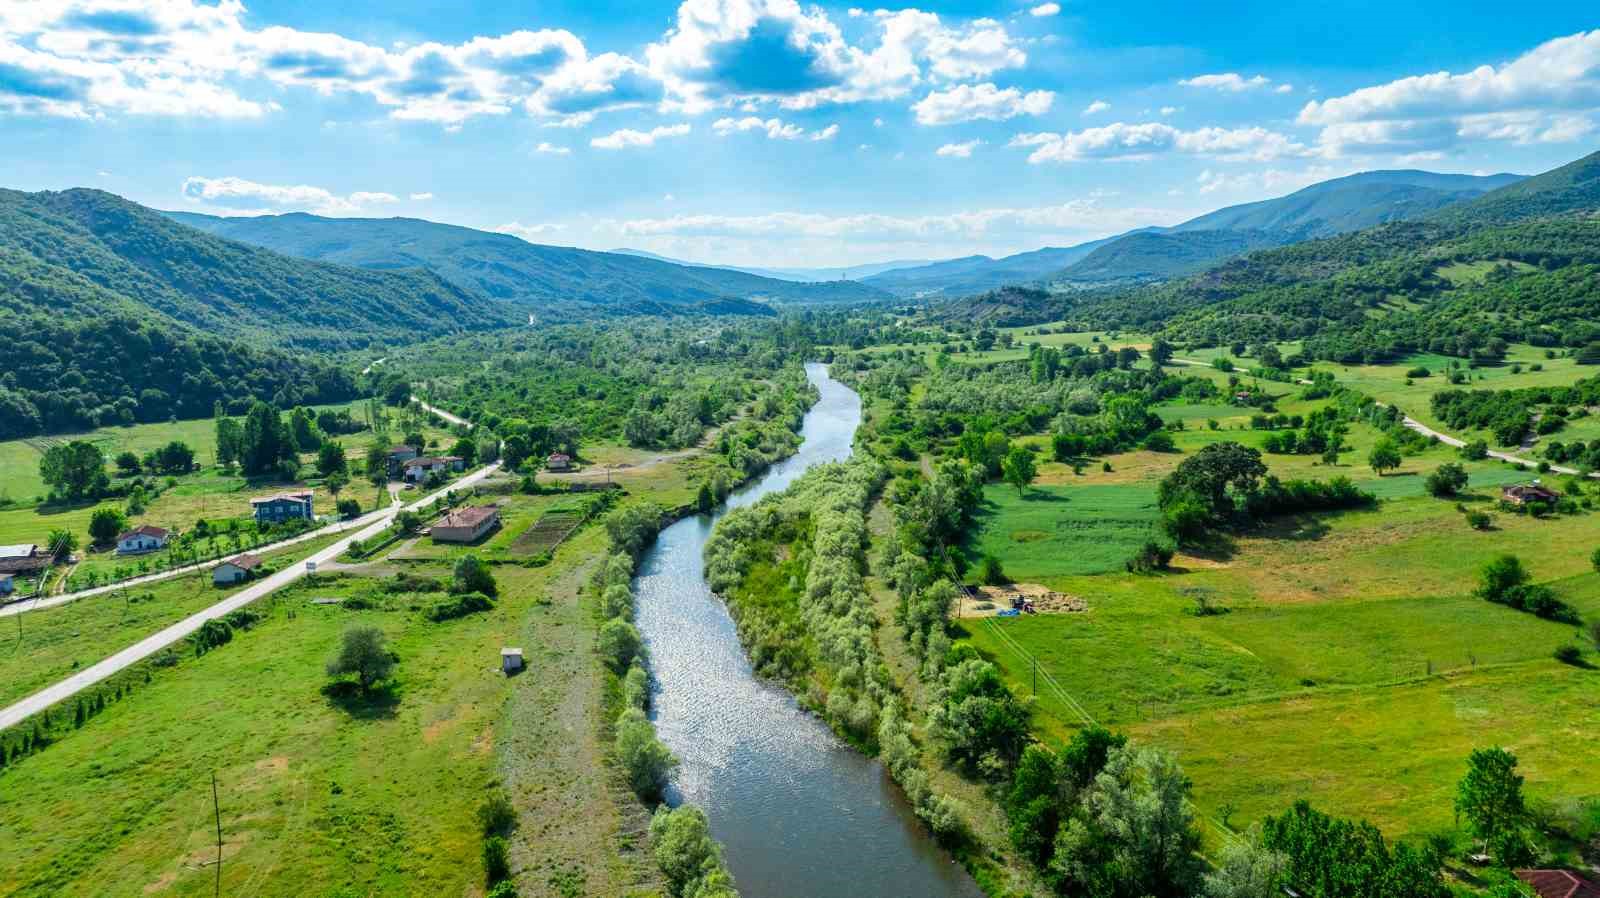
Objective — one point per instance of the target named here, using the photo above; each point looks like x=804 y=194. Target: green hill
x=547 y=281
x=1156 y=255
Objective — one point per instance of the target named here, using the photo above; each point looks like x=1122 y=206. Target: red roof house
x=1559 y=884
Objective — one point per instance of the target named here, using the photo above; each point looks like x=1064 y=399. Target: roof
x=1529 y=489
x=510 y=651
x=426 y=460
x=1559 y=884
x=560 y=456
x=303 y=496
x=146 y=530
x=21 y=550
x=471 y=516
x=399 y=449
x=244 y=562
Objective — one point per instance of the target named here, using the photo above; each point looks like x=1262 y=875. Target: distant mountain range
x=546 y=281
x=1330 y=207
x=803 y=275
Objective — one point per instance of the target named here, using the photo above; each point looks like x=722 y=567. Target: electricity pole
x=217 y=810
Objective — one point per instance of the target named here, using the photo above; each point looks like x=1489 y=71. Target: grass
x=1051 y=531
x=52 y=643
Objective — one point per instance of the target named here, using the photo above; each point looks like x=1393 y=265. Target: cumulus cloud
x=722 y=51
x=827 y=133
x=530 y=231
x=1232 y=82
x=551 y=149
x=972 y=102
x=776 y=129
x=1547 y=95
x=628 y=137
x=1268 y=181
x=959 y=150
x=1142 y=141
x=241 y=196
x=1045 y=9
x=1095 y=107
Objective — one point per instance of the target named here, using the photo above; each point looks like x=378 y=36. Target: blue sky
x=773 y=133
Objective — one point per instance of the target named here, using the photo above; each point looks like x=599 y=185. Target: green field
x=1053 y=531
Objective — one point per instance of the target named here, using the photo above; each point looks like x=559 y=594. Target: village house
x=418 y=469
x=456 y=462
x=1559 y=884
x=282 y=507
x=558 y=461
x=1523 y=493
x=466 y=525
x=398 y=456
x=142 y=539
x=235 y=569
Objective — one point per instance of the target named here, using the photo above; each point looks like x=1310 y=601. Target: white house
x=141 y=539
x=418 y=469
x=235 y=569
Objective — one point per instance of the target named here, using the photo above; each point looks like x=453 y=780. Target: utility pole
x=217 y=810
x=1035 y=677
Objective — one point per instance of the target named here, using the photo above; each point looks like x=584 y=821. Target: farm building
x=141 y=539
x=510 y=660
x=466 y=525
x=23 y=559
x=558 y=461
x=1559 y=884
x=282 y=507
x=235 y=569
x=398 y=456
x=1523 y=493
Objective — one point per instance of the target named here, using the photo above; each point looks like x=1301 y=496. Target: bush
x=459 y=606
x=472 y=575
x=364 y=652
x=496 y=859
x=647 y=761
x=1479 y=520
x=1570 y=654
x=1447 y=480
x=990 y=573
x=496 y=816
x=636 y=688
x=619 y=644
x=1151 y=557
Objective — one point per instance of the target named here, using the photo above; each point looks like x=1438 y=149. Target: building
x=1559 y=884
x=558 y=461
x=417 y=469
x=25 y=559
x=235 y=570
x=456 y=462
x=142 y=539
x=283 y=507
x=466 y=525
x=510 y=660
x=1523 y=493
x=8 y=585
x=398 y=456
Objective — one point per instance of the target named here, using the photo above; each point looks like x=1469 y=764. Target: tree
x=76 y=469
x=330 y=458
x=1019 y=468
x=303 y=430
x=1501 y=578
x=230 y=437
x=1219 y=476
x=619 y=644
x=647 y=760
x=1385 y=456
x=364 y=652
x=61 y=543
x=472 y=575
x=1248 y=870
x=127 y=463
x=175 y=457
x=1477 y=450
x=1160 y=352
x=685 y=852
x=265 y=442
x=105 y=524
x=1594 y=560
x=1490 y=797
x=377 y=464
x=466 y=450
x=1447 y=480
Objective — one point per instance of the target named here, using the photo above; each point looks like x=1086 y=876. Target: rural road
x=463 y=422
x=148 y=646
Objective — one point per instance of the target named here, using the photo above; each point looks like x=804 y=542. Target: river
x=802 y=815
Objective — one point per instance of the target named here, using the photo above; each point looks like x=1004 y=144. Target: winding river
x=802 y=814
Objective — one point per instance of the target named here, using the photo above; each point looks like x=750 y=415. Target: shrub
x=364 y=652
x=636 y=688
x=496 y=815
x=459 y=606
x=496 y=859
x=619 y=644
x=1477 y=450
x=1447 y=480
x=472 y=575
x=647 y=761
x=1479 y=520
x=1570 y=654
x=991 y=573
x=1151 y=557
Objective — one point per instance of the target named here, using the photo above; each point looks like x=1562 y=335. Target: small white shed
x=510 y=660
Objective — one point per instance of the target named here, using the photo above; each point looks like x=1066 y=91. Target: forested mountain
x=1321 y=210
x=1516 y=265
x=547 y=281
x=85 y=254
x=803 y=275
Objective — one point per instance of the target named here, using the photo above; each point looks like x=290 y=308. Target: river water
x=802 y=814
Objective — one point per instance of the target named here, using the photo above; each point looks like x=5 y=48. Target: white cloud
x=969 y=102
x=238 y=195
x=627 y=137
x=776 y=129
x=1096 y=106
x=1232 y=82
x=827 y=133
x=421 y=197
x=1546 y=95
x=1142 y=141
x=551 y=149
x=959 y=150
x=1045 y=9
x=1168 y=110
x=1283 y=89
x=1268 y=181
x=530 y=231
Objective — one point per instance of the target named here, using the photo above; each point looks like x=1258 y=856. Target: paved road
x=148 y=646
x=463 y=422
